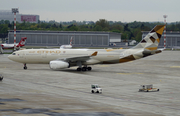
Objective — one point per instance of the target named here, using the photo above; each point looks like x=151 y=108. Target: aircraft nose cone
x=10 y=57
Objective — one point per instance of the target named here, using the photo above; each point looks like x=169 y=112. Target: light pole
x=15 y=10
x=165 y=16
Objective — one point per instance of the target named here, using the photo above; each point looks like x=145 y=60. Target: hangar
x=172 y=39
x=56 y=38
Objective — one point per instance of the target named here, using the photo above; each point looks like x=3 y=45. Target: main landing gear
x=84 y=69
x=25 y=67
x=80 y=68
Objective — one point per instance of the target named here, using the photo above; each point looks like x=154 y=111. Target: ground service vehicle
x=95 y=88
x=147 y=88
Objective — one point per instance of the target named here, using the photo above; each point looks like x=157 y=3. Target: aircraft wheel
x=1 y=79
x=97 y=91
x=78 y=69
x=84 y=69
x=25 y=68
x=92 y=91
x=89 y=68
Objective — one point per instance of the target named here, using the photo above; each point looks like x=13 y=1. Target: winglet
x=94 y=54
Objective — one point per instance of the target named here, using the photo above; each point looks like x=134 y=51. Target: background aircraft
x=18 y=45
x=67 y=46
x=66 y=58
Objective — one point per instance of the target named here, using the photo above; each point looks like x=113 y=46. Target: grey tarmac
x=40 y=91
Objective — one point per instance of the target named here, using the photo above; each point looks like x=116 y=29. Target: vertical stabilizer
x=71 y=41
x=22 y=42
x=152 y=39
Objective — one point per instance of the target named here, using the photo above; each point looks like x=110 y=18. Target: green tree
x=116 y=28
x=60 y=26
x=2 y=22
x=54 y=25
x=4 y=29
x=6 y=22
x=48 y=26
x=125 y=35
x=9 y=25
x=126 y=28
x=98 y=28
x=138 y=36
x=72 y=28
x=136 y=31
x=103 y=23
x=105 y=29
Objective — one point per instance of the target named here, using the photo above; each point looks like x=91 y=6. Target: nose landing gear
x=25 y=67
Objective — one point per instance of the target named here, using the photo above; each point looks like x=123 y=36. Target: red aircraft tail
x=22 y=42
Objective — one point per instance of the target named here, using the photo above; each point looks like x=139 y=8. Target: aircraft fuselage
x=44 y=56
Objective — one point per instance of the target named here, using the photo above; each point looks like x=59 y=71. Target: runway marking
x=129 y=73
x=175 y=67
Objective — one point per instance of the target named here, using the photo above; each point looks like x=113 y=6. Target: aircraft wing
x=79 y=58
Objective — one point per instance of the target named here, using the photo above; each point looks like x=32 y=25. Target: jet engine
x=56 y=65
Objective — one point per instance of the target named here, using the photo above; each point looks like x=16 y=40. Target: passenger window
x=13 y=53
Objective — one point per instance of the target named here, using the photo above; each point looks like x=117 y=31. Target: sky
x=93 y=10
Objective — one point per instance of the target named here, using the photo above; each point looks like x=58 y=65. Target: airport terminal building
x=57 y=38
x=20 y=18
x=172 y=39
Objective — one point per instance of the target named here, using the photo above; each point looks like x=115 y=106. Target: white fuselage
x=8 y=46
x=66 y=47
x=44 y=56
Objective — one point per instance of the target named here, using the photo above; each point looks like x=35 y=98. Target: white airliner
x=66 y=58
x=67 y=46
x=18 y=45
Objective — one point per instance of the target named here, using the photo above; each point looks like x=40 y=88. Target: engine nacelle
x=55 y=65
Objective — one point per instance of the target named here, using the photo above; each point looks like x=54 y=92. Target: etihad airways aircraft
x=66 y=58
x=18 y=45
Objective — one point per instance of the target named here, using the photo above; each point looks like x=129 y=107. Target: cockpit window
x=13 y=53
